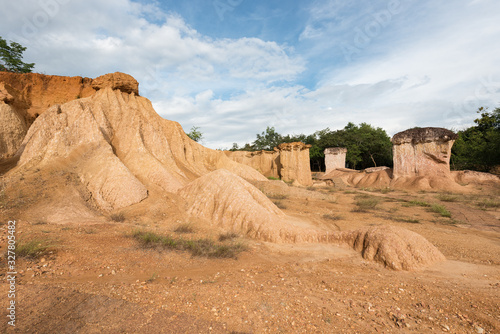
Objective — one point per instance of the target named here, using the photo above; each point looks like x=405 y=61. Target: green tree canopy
x=366 y=146
x=478 y=147
x=267 y=140
x=195 y=134
x=11 y=58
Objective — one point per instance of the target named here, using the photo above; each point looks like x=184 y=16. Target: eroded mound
x=120 y=147
x=396 y=248
x=235 y=205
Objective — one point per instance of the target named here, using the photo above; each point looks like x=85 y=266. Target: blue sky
x=233 y=67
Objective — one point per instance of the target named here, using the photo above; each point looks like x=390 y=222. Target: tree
x=195 y=134
x=478 y=147
x=366 y=146
x=267 y=140
x=11 y=58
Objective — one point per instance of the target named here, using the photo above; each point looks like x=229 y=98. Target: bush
x=199 y=247
x=32 y=249
x=366 y=204
x=440 y=209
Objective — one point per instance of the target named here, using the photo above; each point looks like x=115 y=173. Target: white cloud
x=429 y=64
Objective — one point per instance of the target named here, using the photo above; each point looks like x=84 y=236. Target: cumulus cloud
x=394 y=64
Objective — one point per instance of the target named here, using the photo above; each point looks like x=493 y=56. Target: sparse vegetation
x=273 y=178
x=417 y=203
x=32 y=249
x=277 y=196
x=280 y=205
x=184 y=228
x=401 y=219
x=488 y=204
x=447 y=198
x=199 y=247
x=228 y=236
x=118 y=217
x=437 y=208
x=152 y=278
x=365 y=204
x=332 y=217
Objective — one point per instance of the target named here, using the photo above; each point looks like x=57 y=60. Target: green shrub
x=199 y=247
x=440 y=210
x=32 y=249
x=366 y=204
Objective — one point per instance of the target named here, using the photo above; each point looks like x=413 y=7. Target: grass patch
x=447 y=198
x=417 y=203
x=228 y=236
x=199 y=247
x=152 y=278
x=365 y=204
x=488 y=204
x=118 y=217
x=280 y=204
x=273 y=178
x=440 y=210
x=32 y=249
x=332 y=217
x=184 y=228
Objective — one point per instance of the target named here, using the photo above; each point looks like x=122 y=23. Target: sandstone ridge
x=29 y=95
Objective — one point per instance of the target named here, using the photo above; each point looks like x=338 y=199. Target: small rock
x=478 y=329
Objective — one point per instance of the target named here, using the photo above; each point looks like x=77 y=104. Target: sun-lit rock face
x=422 y=152
x=294 y=161
x=334 y=158
x=288 y=161
x=265 y=162
x=120 y=148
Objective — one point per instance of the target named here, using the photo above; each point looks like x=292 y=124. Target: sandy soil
x=96 y=278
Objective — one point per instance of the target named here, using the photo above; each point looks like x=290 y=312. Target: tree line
x=476 y=148
x=366 y=145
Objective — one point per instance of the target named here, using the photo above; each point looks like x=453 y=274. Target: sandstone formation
x=469 y=176
x=119 y=151
x=265 y=162
x=422 y=151
x=379 y=178
x=234 y=205
x=29 y=95
x=396 y=248
x=334 y=158
x=117 y=80
x=288 y=161
x=120 y=147
x=294 y=160
x=12 y=125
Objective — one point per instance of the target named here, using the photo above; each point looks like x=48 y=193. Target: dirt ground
x=97 y=278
